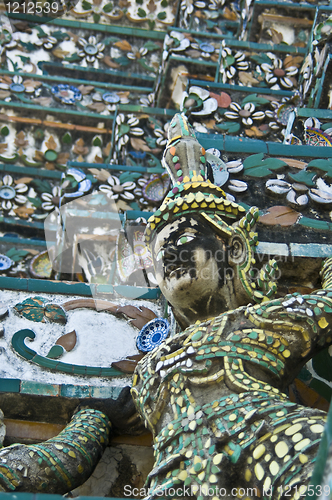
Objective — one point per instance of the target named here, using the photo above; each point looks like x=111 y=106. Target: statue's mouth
x=176 y=273
x=178 y=270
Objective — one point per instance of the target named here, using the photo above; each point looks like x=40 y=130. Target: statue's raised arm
x=213 y=394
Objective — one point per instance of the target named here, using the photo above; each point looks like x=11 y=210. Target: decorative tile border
x=294 y=249
x=104 y=28
x=74 y=288
x=244 y=145
x=11 y=385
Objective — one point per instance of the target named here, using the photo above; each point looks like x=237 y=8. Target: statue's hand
x=121 y=412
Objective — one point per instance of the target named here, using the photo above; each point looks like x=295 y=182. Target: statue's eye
x=184 y=239
x=160 y=255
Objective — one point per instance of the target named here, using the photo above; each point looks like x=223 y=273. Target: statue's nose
x=171 y=254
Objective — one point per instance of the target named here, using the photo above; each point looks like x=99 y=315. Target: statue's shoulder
x=312 y=308
x=294 y=306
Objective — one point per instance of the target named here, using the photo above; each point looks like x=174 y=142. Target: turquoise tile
x=275 y=148
x=19 y=345
x=65 y=367
x=269 y=248
x=79 y=369
x=102 y=392
x=116 y=392
x=133 y=292
x=22 y=241
x=153 y=293
x=74 y=391
x=82 y=165
x=83 y=498
x=10 y=385
x=24 y=171
x=111 y=372
x=134 y=214
x=211 y=141
x=13 y=283
x=25 y=223
x=316 y=224
x=240 y=144
x=104 y=289
x=317 y=113
x=310 y=250
x=29 y=387
x=21 y=496
x=45 y=362
x=48 y=286
x=91 y=370
x=106 y=392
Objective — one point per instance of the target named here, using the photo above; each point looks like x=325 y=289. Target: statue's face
x=192 y=268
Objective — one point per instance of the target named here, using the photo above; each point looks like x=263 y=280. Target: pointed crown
x=184 y=160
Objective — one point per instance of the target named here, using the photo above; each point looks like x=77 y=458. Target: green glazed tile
x=45 y=362
x=10 y=385
x=64 y=367
x=92 y=370
x=19 y=345
x=29 y=387
x=74 y=391
x=79 y=369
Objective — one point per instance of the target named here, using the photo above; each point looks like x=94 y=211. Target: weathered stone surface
x=2 y=429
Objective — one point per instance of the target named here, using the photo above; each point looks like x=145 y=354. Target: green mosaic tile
x=22 y=241
x=45 y=362
x=91 y=370
x=237 y=144
x=24 y=223
x=103 y=392
x=79 y=370
x=316 y=224
x=109 y=372
x=37 y=108
x=15 y=169
x=74 y=391
x=13 y=283
x=64 y=367
x=310 y=250
x=48 y=286
x=29 y=387
x=214 y=141
x=131 y=292
x=10 y=385
x=26 y=496
x=20 y=347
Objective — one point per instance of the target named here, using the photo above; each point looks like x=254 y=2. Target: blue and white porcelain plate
x=66 y=94
x=152 y=334
x=5 y=262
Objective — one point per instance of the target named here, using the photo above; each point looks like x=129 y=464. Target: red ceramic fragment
x=223 y=99
x=280 y=215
